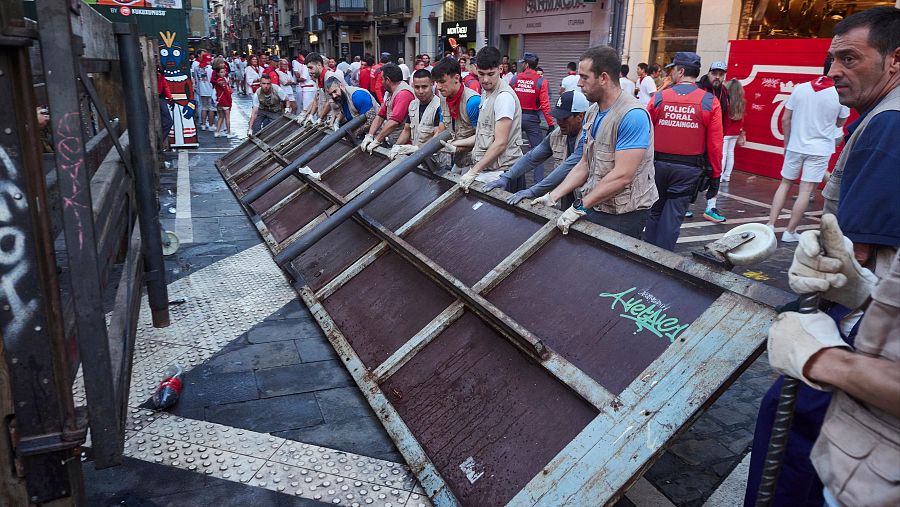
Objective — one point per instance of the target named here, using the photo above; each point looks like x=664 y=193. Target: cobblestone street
x=270 y=416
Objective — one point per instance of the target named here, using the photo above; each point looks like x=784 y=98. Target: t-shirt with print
x=814 y=109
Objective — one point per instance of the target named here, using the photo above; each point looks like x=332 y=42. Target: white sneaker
x=789 y=237
x=202 y=126
x=231 y=135
x=218 y=134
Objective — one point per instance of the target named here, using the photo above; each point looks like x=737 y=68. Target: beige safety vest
x=350 y=90
x=462 y=127
x=857 y=454
x=422 y=132
x=484 y=133
x=641 y=193
x=270 y=103
x=402 y=85
x=832 y=190
x=559 y=145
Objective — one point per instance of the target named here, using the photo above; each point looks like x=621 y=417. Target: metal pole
x=304 y=159
x=346 y=211
x=142 y=158
x=784 y=416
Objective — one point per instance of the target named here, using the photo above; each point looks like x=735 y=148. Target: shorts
x=205 y=102
x=223 y=109
x=811 y=167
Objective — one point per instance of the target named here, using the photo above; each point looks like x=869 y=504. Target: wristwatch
x=579 y=205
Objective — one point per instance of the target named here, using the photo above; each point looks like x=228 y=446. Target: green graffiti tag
x=646 y=317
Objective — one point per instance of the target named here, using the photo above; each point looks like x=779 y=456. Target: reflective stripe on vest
x=679 y=127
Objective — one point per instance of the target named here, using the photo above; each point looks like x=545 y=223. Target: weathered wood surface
x=463 y=319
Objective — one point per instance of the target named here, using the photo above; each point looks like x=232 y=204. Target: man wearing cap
x=498 y=135
x=563 y=145
x=687 y=125
x=534 y=97
x=614 y=178
x=713 y=82
x=460 y=106
x=395 y=111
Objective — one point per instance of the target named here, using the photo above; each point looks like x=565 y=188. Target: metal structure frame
x=53 y=316
x=630 y=424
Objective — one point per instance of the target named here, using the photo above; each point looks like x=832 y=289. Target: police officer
x=687 y=126
x=534 y=97
x=563 y=146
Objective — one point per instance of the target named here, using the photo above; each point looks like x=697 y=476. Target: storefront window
x=787 y=19
x=675 y=29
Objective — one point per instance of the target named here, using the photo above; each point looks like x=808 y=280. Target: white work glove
x=795 y=337
x=569 y=217
x=466 y=180
x=824 y=262
x=309 y=172
x=402 y=149
x=301 y=117
x=336 y=124
x=546 y=200
x=372 y=145
x=364 y=145
x=448 y=147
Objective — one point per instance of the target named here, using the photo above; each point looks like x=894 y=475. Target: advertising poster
x=769 y=70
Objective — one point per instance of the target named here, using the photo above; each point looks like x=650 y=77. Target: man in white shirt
x=646 y=85
x=811 y=115
x=570 y=82
x=404 y=69
x=626 y=84
x=354 y=71
x=306 y=86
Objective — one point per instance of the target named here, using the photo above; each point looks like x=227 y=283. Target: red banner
x=769 y=69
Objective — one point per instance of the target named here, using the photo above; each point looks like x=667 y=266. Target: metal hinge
x=53 y=442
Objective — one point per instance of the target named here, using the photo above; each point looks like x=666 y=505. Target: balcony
x=296 y=22
x=341 y=6
x=393 y=8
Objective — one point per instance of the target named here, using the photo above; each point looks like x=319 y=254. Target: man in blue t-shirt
x=614 y=184
x=352 y=102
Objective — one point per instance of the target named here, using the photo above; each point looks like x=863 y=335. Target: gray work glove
x=449 y=147
x=466 y=180
x=500 y=182
x=518 y=196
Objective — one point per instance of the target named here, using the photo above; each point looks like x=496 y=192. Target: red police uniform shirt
x=365 y=77
x=533 y=92
x=688 y=121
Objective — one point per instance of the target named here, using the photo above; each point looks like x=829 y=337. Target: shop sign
x=458 y=33
x=551 y=5
x=769 y=70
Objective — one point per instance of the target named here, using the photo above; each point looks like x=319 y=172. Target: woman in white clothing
x=734 y=126
x=286 y=81
x=251 y=75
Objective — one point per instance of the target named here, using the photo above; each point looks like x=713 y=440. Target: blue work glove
x=500 y=182
x=521 y=194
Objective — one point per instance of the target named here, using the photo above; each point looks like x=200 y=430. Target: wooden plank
x=124 y=319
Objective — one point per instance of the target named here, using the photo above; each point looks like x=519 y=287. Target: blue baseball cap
x=685 y=59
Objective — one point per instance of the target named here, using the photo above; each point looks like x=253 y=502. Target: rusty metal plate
x=384 y=306
x=510 y=364
x=489 y=418
x=291 y=217
x=471 y=236
x=609 y=309
x=340 y=248
x=266 y=169
x=405 y=198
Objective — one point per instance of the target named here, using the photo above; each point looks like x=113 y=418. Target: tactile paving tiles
x=218 y=436
x=351 y=466
x=197 y=458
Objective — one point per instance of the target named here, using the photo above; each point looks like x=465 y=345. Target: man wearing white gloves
x=318 y=109
x=395 y=111
x=497 y=142
x=857 y=454
x=424 y=117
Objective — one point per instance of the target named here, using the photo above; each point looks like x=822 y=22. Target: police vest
x=679 y=127
x=375 y=75
x=527 y=86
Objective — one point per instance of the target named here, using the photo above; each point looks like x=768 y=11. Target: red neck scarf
x=204 y=60
x=572 y=73
x=453 y=102
x=821 y=83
